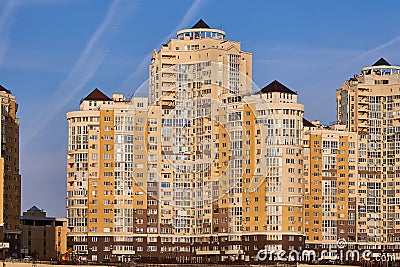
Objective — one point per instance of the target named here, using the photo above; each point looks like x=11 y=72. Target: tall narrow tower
x=197 y=83
x=369 y=104
x=10 y=178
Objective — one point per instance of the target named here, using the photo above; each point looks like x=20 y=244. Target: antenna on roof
x=222 y=27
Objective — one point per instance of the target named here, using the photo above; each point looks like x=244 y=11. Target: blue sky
x=54 y=52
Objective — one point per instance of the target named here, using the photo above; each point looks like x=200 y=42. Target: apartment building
x=43 y=238
x=330 y=174
x=369 y=105
x=10 y=178
x=202 y=171
x=100 y=175
x=276 y=170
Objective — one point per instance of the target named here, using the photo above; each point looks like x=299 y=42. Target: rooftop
x=34 y=208
x=307 y=123
x=2 y=88
x=200 y=30
x=201 y=25
x=381 y=62
x=97 y=95
x=276 y=86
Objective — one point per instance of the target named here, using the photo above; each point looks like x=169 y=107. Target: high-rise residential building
x=273 y=202
x=10 y=178
x=43 y=238
x=204 y=172
x=369 y=105
x=330 y=173
x=100 y=174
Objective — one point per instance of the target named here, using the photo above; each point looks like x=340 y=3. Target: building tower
x=330 y=173
x=206 y=172
x=10 y=178
x=274 y=204
x=100 y=175
x=200 y=56
x=369 y=105
x=197 y=83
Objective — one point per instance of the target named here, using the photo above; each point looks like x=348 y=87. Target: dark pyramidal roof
x=307 y=123
x=97 y=95
x=201 y=25
x=34 y=208
x=382 y=62
x=276 y=86
x=2 y=88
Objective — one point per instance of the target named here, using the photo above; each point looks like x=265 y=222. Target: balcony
x=209 y=252
x=123 y=252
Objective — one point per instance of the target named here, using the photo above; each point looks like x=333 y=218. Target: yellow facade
x=206 y=171
x=330 y=178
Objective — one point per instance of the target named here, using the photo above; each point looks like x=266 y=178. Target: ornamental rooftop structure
x=220 y=65
x=381 y=72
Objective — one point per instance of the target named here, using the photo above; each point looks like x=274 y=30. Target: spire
x=201 y=25
x=381 y=62
x=276 y=86
x=97 y=95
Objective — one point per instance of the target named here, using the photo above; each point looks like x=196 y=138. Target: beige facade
x=100 y=172
x=369 y=105
x=43 y=238
x=205 y=172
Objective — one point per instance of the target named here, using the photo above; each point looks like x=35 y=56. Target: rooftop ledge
x=198 y=33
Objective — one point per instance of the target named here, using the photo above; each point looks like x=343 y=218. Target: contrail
x=190 y=13
x=82 y=71
x=6 y=21
x=376 y=49
x=366 y=54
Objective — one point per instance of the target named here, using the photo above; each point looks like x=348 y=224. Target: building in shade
x=369 y=105
x=10 y=178
x=202 y=171
x=43 y=238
